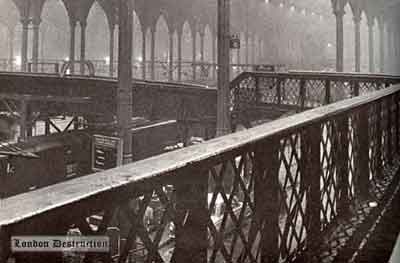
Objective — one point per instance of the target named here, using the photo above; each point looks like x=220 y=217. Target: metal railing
x=266 y=194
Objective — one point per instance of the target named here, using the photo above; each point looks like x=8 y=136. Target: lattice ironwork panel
x=315 y=93
x=232 y=227
x=367 y=87
x=329 y=178
x=290 y=91
x=373 y=148
x=268 y=89
x=244 y=93
x=353 y=148
x=292 y=230
x=340 y=90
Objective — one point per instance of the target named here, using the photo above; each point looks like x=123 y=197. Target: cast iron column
x=153 y=52
x=125 y=100
x=171 y=57
x=381 y=44
x=194 y=37
x=72 y=26
x=83 y=46
x=357 y=37
x=111 y=46
x=179 y=47
x=223 y=123
x=35 y=43
x=24 y=45
x=144 y=65
x=371 y=42
x=338 y=11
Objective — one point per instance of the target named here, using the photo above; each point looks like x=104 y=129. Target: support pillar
x=125 y=100
x=247 y=48
x=171 y=57
x=390 y=48
x=111 y=46
x=35 y=43
x=381 y=44
x=72 y=26
x=194 y=54
x=11 y=36
x=357 y=41
x=179 y=54
x=153 y=52
x=24 y=45
x=83 y=46
x=144 y=52
x=371 y=42
x=223 y=118
x=214 y=57
x=338 y=11
x=253 y=50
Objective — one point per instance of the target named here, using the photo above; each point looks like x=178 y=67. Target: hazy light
x=107 y=60
x=373 y=204
x=330 y=45
x=267 y=1
x=66 y=59
x=292 y=8
x=18 y=60
x=281 y=5
x=140 y=59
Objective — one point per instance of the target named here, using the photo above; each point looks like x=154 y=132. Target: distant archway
x=187 y=43
x=162 y=40
x=97 y=35
x=54 y=31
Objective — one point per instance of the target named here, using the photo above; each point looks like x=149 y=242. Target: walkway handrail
x=256 y=165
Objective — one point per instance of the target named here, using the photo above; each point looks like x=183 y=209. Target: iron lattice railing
x=266 y=194
x=303 y=90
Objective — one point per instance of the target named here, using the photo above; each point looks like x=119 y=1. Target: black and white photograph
x=200 y=131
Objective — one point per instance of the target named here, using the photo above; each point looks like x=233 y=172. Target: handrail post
x=342 y=161
x=389 y=148
x=191 y=241
x=266 y=197
x=302 y=93
x=378 y=140
x=311 y=175
x=362 y=154
x=327 y=91
x=278 y=90
x=257 y=88
x=356 y=88
x=397 y=121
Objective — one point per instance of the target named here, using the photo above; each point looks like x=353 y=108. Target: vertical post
x=390 y=47
x=11 y=37
x=35 y=46
x=357 y=37
x=179 y=31
x=72 y=26
x=327 y=91
x=144 y=52
x=302 y=94
x=378 y=140
x=47 y=126
x=397 y=121
x=381 y=44
x=310 y=176
x=153 y=52
x=191 y=237
x=23 y=121
x=338 y=11
x=253 y=50
x=24 y=45
x=266 y=187
x=171 y=57
x=247 y=47
x=223 y=125
x=111 y=51
x=214 y=55
x=362 y=154
x=125 y=100
x=371 y=43
x=194 y=39
x=389 y=142
x=342 y=162
x=83 y=46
